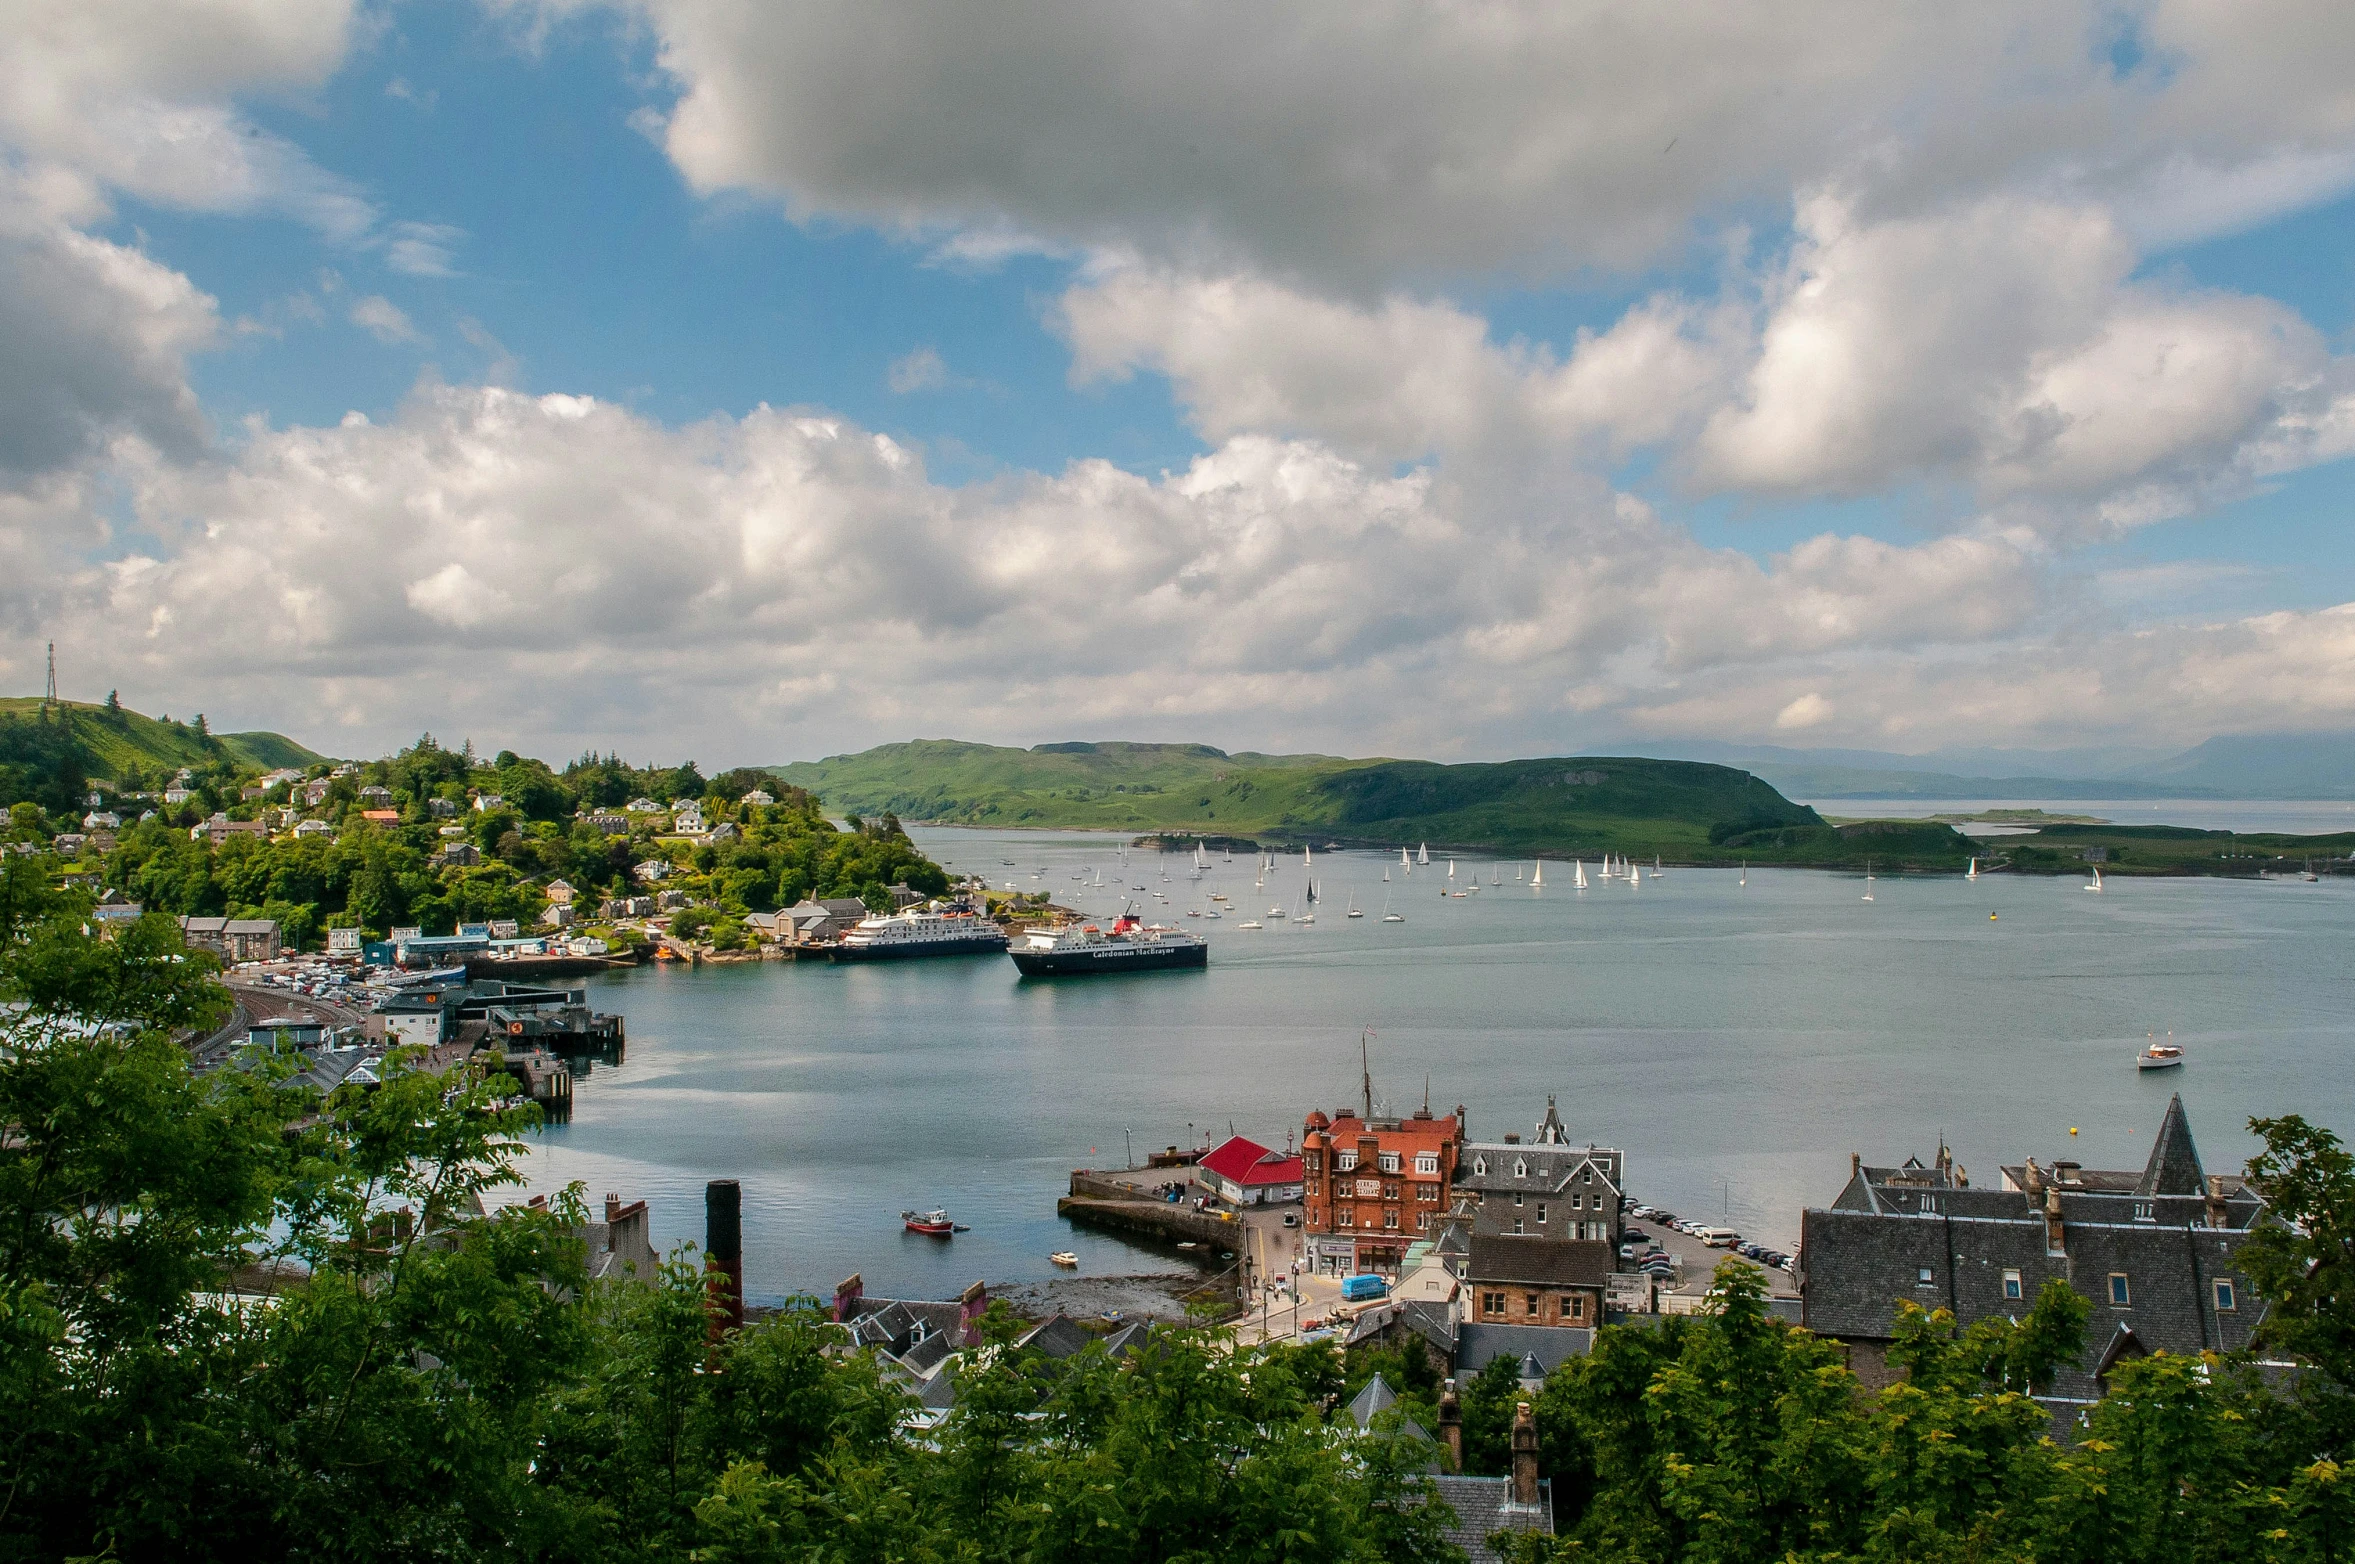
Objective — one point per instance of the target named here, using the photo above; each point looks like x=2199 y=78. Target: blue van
x=1357 y=1289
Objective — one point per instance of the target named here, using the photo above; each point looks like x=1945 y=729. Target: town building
x=757 y=799
x=374 y=797
x=313 y=828
x=343 y=942
x=441 y=808
x=1546 y=1186
x=2151 y=1251
x=1242 y=1172
x=607 y=822
x=1373 y=1185
x=561 y=892
x=234 y=939
x=1525 y=1280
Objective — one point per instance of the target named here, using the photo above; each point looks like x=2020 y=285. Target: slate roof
x=1375 y=1398
x=1539 y=1262
x=1484 y=1506
x=1948 y=1246
x=1058 y=1338
x=1435 y=1322
x=1506 y=1168
x=1551 y=1345
x=1127 y=1339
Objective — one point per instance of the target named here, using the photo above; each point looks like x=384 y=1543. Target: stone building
x=1545 y=1186
x=2152 y=1251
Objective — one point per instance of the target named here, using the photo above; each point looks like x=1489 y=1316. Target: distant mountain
x=2263 y=765
x=1569 y=805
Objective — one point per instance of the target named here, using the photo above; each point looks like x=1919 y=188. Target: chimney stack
x=972 y=1304
x=2064 y=1172
x=847 y=1293
x=2032 y=1179
x=723 y=1254
x=612 y=1208
x=1855 y=1163
x=1451 y=1426
x=1524 y=1455
x=2219 y=1215
x=2053 y=1243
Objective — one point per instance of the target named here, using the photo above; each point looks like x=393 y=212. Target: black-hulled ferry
x=1072 y=950
x=902 y=935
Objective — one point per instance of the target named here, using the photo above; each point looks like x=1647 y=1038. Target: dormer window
x=1480 y=1166
x=1388 y=1161
x=1346 y=1161
x=2145 y=1211
x=1929 y=1205
x=1426 y=1162
x=1520 y=1167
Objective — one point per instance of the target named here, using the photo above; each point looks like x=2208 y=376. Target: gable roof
x=1375 y=1398
x=1539 y=1261
x=1058 y=1338
x=1551 y=1345
x=1484 y=1506
x=1247 y=1162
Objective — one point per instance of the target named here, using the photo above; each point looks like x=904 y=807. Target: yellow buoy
x=1991 y=917
x=2072 y=1129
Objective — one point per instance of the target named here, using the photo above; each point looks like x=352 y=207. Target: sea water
x=1738 y=1042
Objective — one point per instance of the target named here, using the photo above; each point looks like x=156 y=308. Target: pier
x=1107 y=1202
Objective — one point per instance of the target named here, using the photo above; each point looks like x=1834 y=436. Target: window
x=1574 y=1306
x=1532 y=1306
x=1426 y=1162
x=2225 y=1301
x=1345 y=1160
x=1422 y=1222
x=1578 y=1202
x=1586 y=1175
x=1929 y=1205
x=1345 y=1216
x=1923 y=1278
x=1520 y=1167
x=2144 y=1211
x=1492 y=1303
x=1390 y=1220
x=2120 y=1298
x=1541 y=1213
x=1516 y=1197
x=2011 y=1285
x=1389 y=1161
x=1311 y=1160
x=1480 y=1166
x=1427 y=1193
x=1516 y=1224
x=1389 y=1191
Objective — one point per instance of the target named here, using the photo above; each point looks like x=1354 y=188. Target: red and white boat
x=932 y=1224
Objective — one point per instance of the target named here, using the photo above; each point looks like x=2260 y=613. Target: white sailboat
x=1424 y=854
x=1385 y=874
x=1577 y=874
x=1391 y=917
x=1451 y=868
x=1538 y=883
x=2096 y=886
x=1635 y=878
x=1745 y=879
x=1868 y=879
x=1972 y=872
x=1657 y=871
x=1353 y=912
x=1496 y=875
x=1520 y=872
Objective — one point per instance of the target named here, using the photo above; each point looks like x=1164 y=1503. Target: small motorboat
x=2160 y=1056
x=1064 y=1258
x=932 y=1224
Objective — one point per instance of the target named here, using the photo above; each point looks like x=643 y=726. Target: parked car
x=1291 y=1219
x=1627 y=1251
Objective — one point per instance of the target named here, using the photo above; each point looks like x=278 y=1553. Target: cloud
x=95 y=336
x=921 y=369
x=1368 y=147
x=383 y=319
x=422 y=249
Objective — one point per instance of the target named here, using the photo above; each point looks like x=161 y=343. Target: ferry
x=902 y=935
x=1131 y=946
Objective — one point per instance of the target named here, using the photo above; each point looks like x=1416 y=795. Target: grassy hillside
x=117 y=742
x=1680 y=810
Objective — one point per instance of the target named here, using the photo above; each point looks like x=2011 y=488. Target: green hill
x=1583 y=805
x=49 y=758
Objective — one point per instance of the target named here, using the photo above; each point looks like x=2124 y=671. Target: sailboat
x=1391 y=917
x=1496 y=875
x=2096 y=886
x=1385 y=875
x=1577 y=875
x=1424 y=854
x=1312 y=892
x=1745 y=879
x=1635 y=878
x=1656 y=869
x=1868 y=879
x=1520 y=873
x=1353 y=912
x=1972 y=872
x=1451 y=868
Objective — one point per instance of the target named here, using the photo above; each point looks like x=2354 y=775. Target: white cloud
x=422 y=249
x=382 y=319
x=1388 y=143
x=921 y=369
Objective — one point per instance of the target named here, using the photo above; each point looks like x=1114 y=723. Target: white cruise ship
x=1131 y=946
x=902 y=935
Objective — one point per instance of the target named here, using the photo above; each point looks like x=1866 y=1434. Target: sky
x=712 y=379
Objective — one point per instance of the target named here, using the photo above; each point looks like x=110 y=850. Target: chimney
x=2219 y=1215
x=1524 y=1456
x=847 y=1293
x=972 y=1304
x=1855 y=1163
x=1451 y=1427
x=2053 y=1243
x=612 y=1208
x=2064 y=1172
x=723 y=1254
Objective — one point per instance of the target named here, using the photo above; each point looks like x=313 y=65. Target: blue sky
x=1474 y=392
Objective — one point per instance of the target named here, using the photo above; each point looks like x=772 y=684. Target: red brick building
x=1371 y=1186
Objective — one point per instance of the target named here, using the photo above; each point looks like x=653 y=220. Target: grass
x=132 y=740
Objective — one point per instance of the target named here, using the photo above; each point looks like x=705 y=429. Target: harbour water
x=1737 y=1041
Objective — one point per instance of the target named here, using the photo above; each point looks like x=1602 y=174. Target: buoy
x=1991 y=917
x=2072 y=1129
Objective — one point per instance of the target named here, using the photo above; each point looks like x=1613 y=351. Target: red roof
x=1247 y=1162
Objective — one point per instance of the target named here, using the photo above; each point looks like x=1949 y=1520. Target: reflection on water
x=1737 y=1041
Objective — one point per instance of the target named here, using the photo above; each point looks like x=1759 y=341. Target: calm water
x=1738 y=1042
